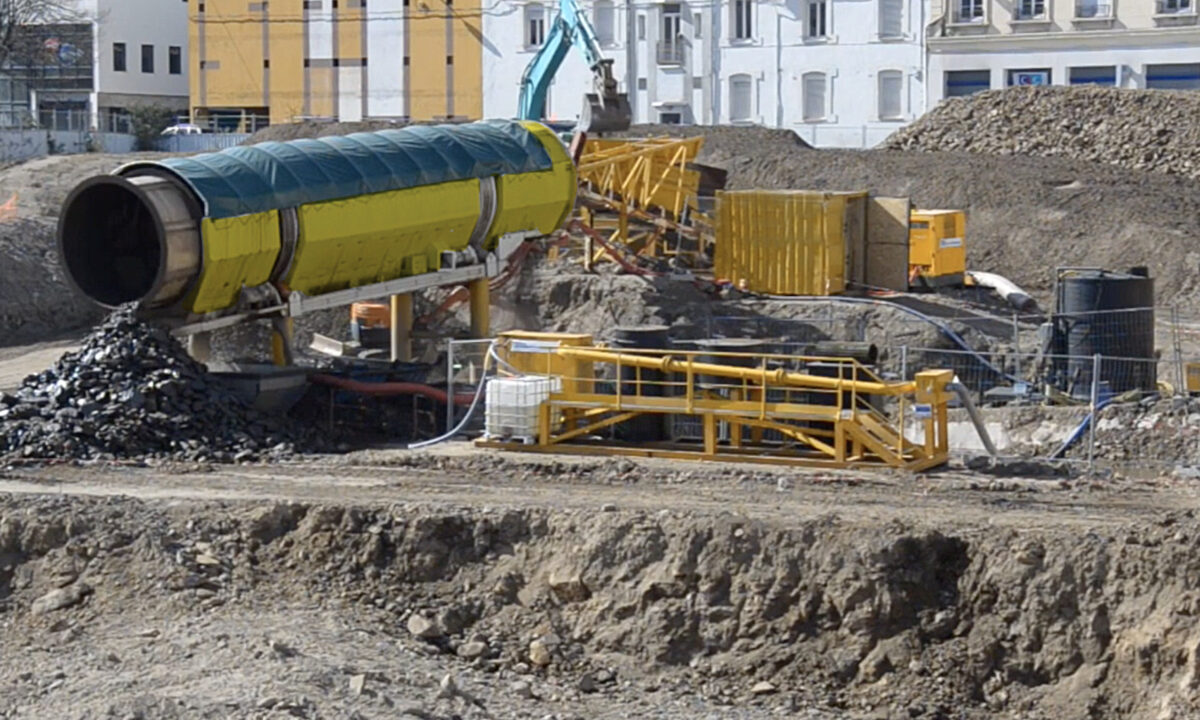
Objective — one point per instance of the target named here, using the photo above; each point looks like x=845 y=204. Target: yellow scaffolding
x=751 y=408
x=639 y=191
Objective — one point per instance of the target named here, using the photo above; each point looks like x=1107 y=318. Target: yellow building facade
x=287 y=60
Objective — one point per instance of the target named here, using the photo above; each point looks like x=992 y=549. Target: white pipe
x=1005 y=288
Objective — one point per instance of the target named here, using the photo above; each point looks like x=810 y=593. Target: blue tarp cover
x=275 y=175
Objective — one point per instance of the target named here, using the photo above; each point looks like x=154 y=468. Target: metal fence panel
x=209 y=142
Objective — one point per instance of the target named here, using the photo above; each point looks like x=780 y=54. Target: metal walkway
x=844 y=417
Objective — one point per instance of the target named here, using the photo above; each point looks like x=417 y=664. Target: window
x=741 y=98
x=1028 y=78
x=1174 y=7
x=175 y=60
x=1104 y=75
x=670 y=118
x=1093 y=9
x=670 y=44
x=535 y=25
x=1176 y=76
x=814 y=96
x=147 y=58
x=641 y=83
x=815 y=25
x=642 y=27
x=891 y=95
x=967 y=82
x=604 y=16
x=743 y=14
x=119 y=57
x=891 y=18
x=697 y=25
x=1031 y=10
x=968 y=11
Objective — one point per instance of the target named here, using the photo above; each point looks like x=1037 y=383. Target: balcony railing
x=671 y=53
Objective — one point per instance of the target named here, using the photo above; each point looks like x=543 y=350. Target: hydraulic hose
x=470 y=410
x=389 y=389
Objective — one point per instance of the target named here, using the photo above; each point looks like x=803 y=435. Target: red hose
x=388 y=389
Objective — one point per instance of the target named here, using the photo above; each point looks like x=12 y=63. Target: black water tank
x=709 y=350
x=1111 y=315
x=649 y=427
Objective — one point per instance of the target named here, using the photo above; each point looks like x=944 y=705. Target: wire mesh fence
x=467 y=365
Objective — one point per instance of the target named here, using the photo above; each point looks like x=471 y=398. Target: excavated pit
x=604 y=614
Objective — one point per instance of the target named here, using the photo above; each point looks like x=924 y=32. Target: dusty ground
x=651 y=590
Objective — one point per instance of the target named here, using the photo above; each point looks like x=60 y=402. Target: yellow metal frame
x=638 y=190
x=848 y=432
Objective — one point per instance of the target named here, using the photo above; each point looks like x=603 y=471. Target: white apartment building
x=841 y=73
x=979 y=44
x=86 y=71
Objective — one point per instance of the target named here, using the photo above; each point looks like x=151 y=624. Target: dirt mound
x=132 y=390
x=316 y=129
x=1151 y=130
x=35 y=300
x=827 y=616
x=1025 y=215
x=722 y=143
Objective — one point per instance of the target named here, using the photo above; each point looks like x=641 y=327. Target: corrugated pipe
x=964 y=396
x=1005 y=288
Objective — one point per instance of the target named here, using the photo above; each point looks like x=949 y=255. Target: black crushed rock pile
x=132 y=391
x=1150 y=130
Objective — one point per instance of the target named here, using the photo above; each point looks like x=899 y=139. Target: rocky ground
x=1151 y=130
x=392 y=585
x=132 y=391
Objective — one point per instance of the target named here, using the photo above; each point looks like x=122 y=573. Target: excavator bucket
x=605 y=113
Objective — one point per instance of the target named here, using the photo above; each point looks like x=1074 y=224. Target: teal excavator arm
x=605 y=109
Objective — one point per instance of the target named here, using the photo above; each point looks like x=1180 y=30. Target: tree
x=148 y=122
x=17 y=14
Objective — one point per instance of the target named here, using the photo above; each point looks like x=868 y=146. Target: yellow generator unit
x=194 y=237
x=937 y=248
x=1192 y=378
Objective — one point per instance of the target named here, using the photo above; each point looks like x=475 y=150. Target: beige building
x=259 y=62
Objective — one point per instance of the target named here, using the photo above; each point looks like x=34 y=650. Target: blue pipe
x=1079 y=431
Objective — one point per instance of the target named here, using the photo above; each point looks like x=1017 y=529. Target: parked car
x=183 y=129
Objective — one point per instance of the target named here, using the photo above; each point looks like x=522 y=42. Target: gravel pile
x=132 y=390
x=1152 y=130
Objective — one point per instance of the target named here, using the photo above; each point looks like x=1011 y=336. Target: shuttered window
x=891 y=18
x=814 y=96
x=891 y=94
x=605 y=21
x=741 y=98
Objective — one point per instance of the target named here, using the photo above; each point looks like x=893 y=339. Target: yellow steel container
x=530 y=352
x=786 y=242
x=937 y=245
x=1192 y=378
x=237 y=252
